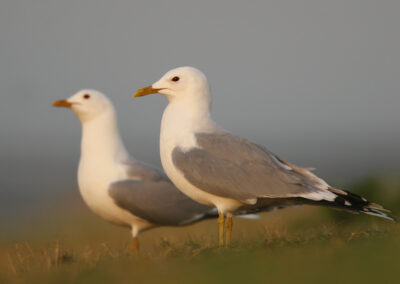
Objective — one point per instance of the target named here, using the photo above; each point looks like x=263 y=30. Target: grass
x=306 y=245
x=283 y=248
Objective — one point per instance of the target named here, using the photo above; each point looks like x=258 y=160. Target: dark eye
x=175 y=79
x=86 y=97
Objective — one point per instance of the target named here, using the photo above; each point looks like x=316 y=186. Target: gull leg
x=229 y=224
x=135 y=245
x=221 y=223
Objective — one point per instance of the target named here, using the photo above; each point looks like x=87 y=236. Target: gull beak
x=146 y=91
x=62 y=103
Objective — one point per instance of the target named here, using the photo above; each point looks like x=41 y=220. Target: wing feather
x=233 y=167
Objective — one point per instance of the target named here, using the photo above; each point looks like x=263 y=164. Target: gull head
x=86 y=104
x=182 y=83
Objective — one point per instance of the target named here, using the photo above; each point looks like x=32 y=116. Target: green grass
x=291 y=247
x=68 y=244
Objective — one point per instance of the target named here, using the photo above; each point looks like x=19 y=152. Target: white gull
x=117 y=187
x=217 y=168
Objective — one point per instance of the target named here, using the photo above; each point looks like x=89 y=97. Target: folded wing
x=233 y=167
x=151 y=196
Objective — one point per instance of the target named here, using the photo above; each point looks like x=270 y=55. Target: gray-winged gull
x=117 y=187
x=217 y=168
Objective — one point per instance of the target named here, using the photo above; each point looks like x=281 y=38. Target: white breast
x=93 y=183
x=176 y=131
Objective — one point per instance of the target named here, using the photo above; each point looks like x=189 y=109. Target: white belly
x=223 y=204
x=94 y=191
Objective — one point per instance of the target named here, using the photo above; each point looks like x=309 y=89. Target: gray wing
x=230 y=166
x=158 y=201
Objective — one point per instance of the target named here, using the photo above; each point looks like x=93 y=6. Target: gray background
x=318 y=82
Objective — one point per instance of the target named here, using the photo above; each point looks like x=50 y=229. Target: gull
x=117 y=187
x=220 y=169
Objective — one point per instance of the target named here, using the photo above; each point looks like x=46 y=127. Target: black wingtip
x=358 y=203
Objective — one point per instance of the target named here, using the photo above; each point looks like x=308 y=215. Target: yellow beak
x=62 y=103
x=146 y=91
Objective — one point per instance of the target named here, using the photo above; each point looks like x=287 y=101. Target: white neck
x=101 y=142
x=181 y=119
x=188 y=114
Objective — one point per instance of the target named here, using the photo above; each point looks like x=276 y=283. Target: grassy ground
x=306 y=245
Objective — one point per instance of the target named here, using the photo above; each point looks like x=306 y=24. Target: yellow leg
x=135 y=245
x=229 y=224
x=221 y=223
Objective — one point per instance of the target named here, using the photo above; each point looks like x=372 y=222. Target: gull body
x=104 y=161
x=117 y=187
x=231 y=173
x=180 y=122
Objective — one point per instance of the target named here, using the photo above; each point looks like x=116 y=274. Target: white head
x=183 y=83
x=87 y=104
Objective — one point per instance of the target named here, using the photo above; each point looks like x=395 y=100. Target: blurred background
x=317 y=82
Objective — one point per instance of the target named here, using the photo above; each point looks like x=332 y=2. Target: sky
x=315 y=81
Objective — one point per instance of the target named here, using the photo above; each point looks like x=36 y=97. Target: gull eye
x=175 y=79
x=86 y=96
